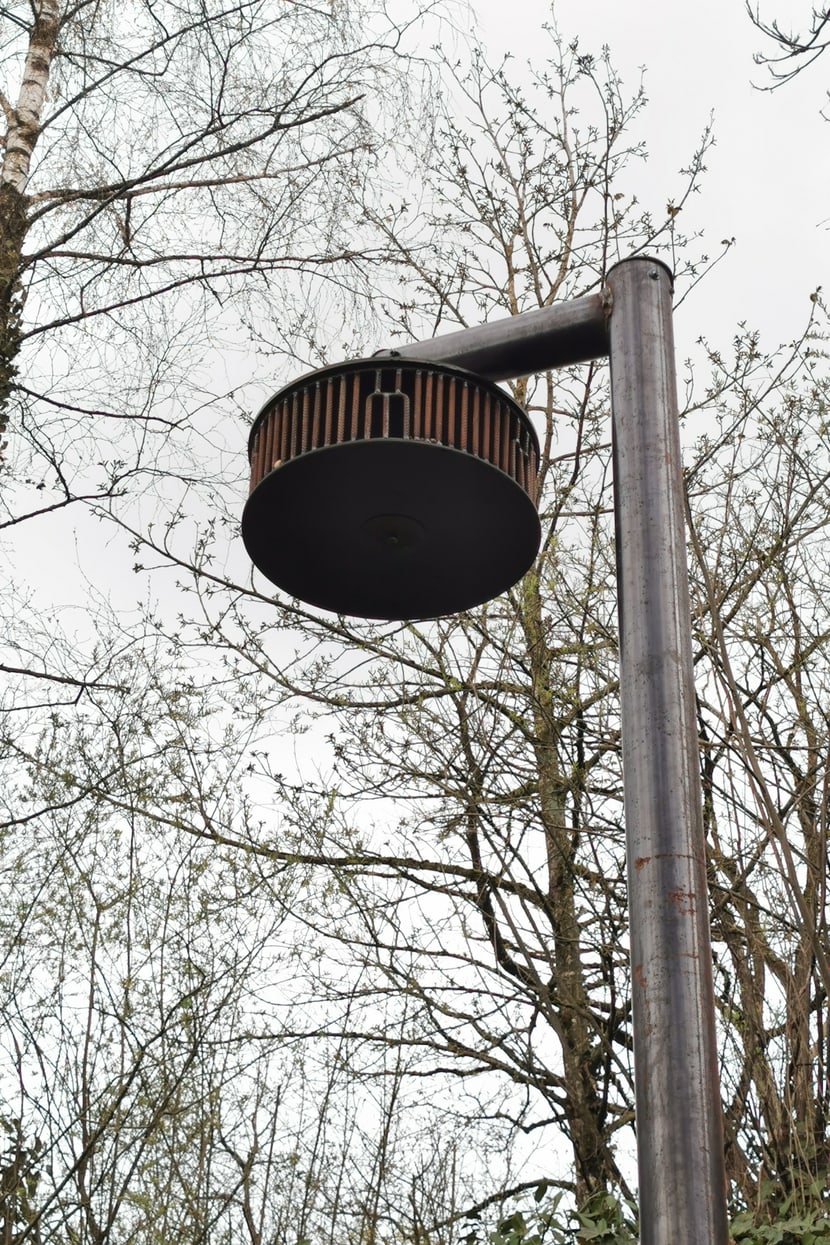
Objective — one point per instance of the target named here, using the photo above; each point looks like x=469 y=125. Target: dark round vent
x=392 y=489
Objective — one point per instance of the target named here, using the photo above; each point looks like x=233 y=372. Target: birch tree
x=160 y=160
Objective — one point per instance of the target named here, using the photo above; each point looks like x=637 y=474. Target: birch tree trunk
x=23 y=125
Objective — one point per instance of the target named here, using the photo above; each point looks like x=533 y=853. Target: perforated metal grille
x=414 y=402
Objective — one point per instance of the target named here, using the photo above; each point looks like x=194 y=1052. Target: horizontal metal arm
x=555 y=336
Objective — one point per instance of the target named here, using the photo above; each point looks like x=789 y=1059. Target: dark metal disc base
x=391 y=529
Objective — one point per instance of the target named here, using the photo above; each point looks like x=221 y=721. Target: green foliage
x=788 y=1223
x=20 y=1164
x=605 y=1220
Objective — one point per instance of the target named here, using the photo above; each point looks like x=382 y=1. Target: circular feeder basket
x=392 y=489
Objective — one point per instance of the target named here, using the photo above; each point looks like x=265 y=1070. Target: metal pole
x=679 y=1126
x=568 y=332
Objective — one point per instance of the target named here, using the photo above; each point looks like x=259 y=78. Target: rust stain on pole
x=684 y=900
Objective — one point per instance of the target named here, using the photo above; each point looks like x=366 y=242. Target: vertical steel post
x=679 y=1125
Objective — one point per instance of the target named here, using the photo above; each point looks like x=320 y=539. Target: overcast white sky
x=768 y=183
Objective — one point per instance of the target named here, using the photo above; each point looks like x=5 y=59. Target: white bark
x=25 y=119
